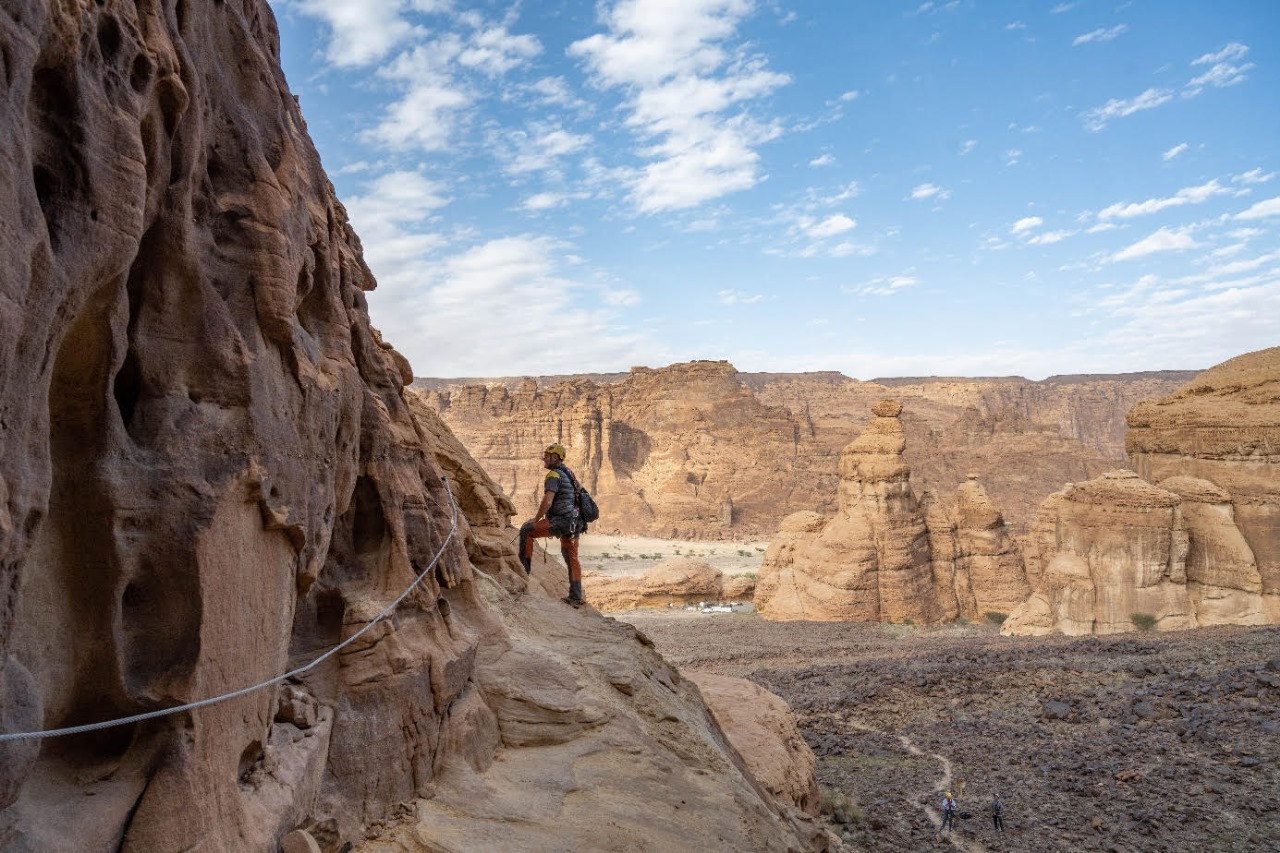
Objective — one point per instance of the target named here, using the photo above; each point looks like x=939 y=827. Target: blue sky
x=879 y=188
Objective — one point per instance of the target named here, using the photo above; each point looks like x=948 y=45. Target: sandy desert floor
x=634 y=555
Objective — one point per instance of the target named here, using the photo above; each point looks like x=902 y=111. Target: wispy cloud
x=516 y=284
x=1223 y=69
x=1100 y=34
x=686 y=90
x=924 y=191
x=1253 y=176
x=1163 y=240
x=1187 y=195
x=967 y=146
x=1174 y=151
x=885 y=286
x=366 y=32
x=824 y=160
x=1223 y=72
x=737 y=297
x=1096 y=119
x=1261 y=210
x=831 y=226
x=1027 y=223
x=540 y=146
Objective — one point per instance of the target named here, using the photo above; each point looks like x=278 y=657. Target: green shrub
x=995 y=617
x=1144 y=621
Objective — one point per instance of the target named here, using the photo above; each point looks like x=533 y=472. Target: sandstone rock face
x=1224 y=428
x=678 y=580
x=762 y=728
x=701 y=451
x=210 y=474
x=1107 y=549
x=876 y=559
x=683 y=452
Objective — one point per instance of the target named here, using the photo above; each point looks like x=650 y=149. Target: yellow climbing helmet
x=557 y=449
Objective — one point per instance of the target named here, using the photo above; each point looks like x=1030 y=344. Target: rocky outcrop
x=674 y=581
x=763 y=729
x=1107 y=549
x=1224 y=428
x=885 y=556
x=1198 y=549
x=210 y=475
x=700 y=450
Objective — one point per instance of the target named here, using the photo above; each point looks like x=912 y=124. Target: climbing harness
x=244 y=691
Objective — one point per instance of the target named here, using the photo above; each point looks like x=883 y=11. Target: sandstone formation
x=1107 y=548
x=886 y=556
x=1199 y=548
x=674 y=581
x=700 y=450
x=764 y=731
x=1224 y=427
x=210 y=474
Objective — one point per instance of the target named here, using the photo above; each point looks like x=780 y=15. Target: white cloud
x=1223 y=71
x=540 y=146
x=494 y=51
x=1100 y=34
x=886 y=286
x=1174 y=151
x=824 y=160
x=1253 y=176
x=1261 y=210
x=851 y=95
x=424 y=116
x=1063 y=7
x=394 y=219
x=1188 y=195
x=501 y=303
x=1027 y=223
x=1096 y=119
x=1049 y=237
x=924 y=191
x=967 y=146
x=1163 y=240
x=683 y=84
x=365 y=32
x=735 y=297
x=832 y=225
x=1016 y=25
x=544 y=201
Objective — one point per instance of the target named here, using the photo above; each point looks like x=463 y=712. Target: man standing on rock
x=997 y=813
x=557 y=515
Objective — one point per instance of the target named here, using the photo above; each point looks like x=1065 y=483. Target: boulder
x=763 y=730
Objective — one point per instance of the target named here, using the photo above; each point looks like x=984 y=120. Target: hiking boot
x=574 y=598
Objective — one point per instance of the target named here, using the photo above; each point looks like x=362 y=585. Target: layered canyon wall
x=210 y=475
x=1191 y=542
x=700 y=450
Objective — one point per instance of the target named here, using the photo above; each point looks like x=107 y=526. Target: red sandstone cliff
x=209 y=474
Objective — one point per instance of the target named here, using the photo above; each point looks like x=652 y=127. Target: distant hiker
x=557 y=515
x=997 y=813
x=948 y=811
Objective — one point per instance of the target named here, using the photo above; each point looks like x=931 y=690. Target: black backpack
x=588 y=511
